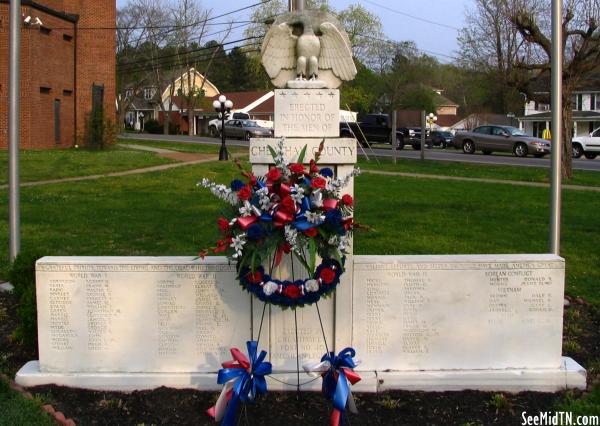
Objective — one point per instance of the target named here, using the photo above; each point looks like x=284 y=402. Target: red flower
x=313 y=167
x=288 y=204
x=348 y=223
x=202 y=254
x=245 y=193
x=296 y=168
x=221 y=246
x=318 y=182
x=223 y=224
x=274 y=174
x=286 y=248
x=347 y=200
x=311 y=232
x=327 y=275
x=292 y=291
x=254 y=278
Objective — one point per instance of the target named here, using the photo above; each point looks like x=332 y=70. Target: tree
x=365 y=32
x=581 y=47
x=511 y=40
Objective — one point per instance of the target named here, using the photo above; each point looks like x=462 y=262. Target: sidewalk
x=481 y=180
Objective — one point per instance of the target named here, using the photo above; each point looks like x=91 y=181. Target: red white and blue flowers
x=295 y=210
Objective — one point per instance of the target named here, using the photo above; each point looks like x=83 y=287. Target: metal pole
x=223 y=156
x=557 y=121
x=13 y=128
x=393 y=134
x=423 y=131
x=299 y=5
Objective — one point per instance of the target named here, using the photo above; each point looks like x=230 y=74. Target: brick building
x=61 y=61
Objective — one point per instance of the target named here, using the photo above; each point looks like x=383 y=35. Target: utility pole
x=423 y=131
x=394 y=141
x=13 y=128
x=556 y=173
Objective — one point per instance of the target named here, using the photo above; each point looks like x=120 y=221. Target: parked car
x=490 y=138
x=214 y=126
x=373 y=128
x=412 y=136
x=589 y=146
x=441 y=138
x=246 y=129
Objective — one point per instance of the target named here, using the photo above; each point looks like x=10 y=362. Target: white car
x=214 y=126
x=589 y=146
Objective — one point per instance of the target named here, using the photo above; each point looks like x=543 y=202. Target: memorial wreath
x=293 y=210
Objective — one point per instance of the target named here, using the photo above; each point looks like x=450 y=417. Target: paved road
x=431 y=154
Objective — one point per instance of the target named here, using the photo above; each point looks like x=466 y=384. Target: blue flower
x=333 y=217
x=326 y=171
x=236 y=185
x=255 y=232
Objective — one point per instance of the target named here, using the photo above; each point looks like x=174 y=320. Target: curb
x=58 y=416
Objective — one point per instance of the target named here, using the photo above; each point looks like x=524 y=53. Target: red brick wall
x=96 y=60
x=47 y=60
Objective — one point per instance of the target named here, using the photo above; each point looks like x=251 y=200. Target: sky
x=436 y=40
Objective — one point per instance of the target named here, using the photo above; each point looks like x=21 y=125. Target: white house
x=586 y=114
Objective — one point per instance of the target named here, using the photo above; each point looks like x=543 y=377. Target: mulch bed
x=166 y=406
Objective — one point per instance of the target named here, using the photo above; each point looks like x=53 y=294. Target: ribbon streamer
x=337 y=372
x=242 y=379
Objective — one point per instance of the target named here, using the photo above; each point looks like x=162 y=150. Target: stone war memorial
x=434 y=323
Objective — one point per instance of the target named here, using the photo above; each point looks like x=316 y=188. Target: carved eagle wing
x=336 y=53
x=279 y=49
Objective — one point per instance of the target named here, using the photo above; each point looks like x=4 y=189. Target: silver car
x=491 y=138
x=246 y=129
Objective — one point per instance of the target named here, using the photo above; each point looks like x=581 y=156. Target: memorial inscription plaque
x=307 y=113
x=458 y=312
x=138 y=314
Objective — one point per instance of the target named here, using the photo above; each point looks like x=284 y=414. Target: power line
x=198 y=57
x=397 y=43
x=170 y=27
x=125 y=66
x=418 y=18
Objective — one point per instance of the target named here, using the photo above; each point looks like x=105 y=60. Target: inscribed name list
x=307 y=113
x=458 y=312
x=138 y=314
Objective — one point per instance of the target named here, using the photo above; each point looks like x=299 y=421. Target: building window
x=45 y=30
x=594 y=102
x=578 y=102
x=149 y=93
x=44 y=90
x=67 y=37
x=67 y=92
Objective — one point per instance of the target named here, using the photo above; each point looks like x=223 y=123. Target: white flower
x=333 y=240
x=291 y=236
x=344 y=244
x=316 y=218
x=246 y=209
x=238 y=243
x=297 y=193
x=311 y=286
x=316 y=198
x=269 y=288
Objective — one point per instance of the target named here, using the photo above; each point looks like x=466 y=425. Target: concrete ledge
x=570 y=375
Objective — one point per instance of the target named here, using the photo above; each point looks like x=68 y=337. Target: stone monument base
x=570 y=375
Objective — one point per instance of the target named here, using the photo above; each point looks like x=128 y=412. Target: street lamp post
x=223 y=107
x=431 y=119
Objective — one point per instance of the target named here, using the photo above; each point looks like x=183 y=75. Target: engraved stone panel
x=307 y=113
x=335 y=151
x=458 y=312
x=139 y=314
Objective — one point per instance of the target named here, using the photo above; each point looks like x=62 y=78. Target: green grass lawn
x=164 y=213
x=185 y=147
x=62 y=163
x=17 y=410
x=450 y=168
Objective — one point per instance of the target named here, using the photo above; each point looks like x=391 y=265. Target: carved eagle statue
x=307 y=45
